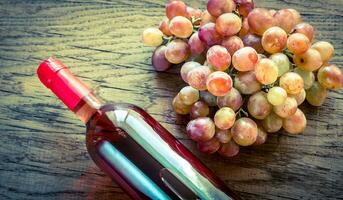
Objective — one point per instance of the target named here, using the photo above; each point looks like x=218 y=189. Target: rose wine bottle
x=131 y=147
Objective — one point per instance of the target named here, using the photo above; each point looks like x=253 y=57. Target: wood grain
x=42 y=150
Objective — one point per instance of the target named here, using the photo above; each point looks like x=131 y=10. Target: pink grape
x=232 y=44
x=179 y=107
x=224 y=118
x=219 y=7
x=316 y=95
x=208 y=98
x=325 y=49
x=244 y=131
x=311 y=60
x=224 y=136
x=209 y=35
x=330 y=77
x=298 y=43
x=266 y=71
x=245 y=59
x=210 y=146
x=274 y=39
x=176 y=8
x=187 y=67
x=219 y=83
x=196 y=45
x=272 y=123
x=245 y=7
x=201 y=129
x=296 y=16
x=158 y=59
x=296 y=123
x=233 y=100
x=247 y=83
x=260 y=20
x=181 y=27
x=285 y=19
x=245 y=28
x=199 y=109
x=228 y=24
x=300 y=97
x=197 y=77
x=291 y=82
x=258 y=105
x=164 y=27
x=193 y=12
x=229 y=149
x=177 y=51
x=254 y=41
x=287 y=109
x=206 y=18
x=261 y=137
x=306 y=29
x=218 y=57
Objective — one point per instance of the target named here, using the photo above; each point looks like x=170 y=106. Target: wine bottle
x=131 y=147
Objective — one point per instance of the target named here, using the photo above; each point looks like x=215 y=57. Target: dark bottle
x=132 y=147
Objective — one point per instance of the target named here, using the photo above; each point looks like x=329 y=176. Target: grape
x=330 y=77
x=224 y=136
x=296 y=16
x=287 y=109
x=282 y=63
x=224 y=118
x=245 y=28
x=232 y=44
x=325 y=49
x=296 y=123
x=272 y=123
x=187 y=67
x=285 y=19
x=206 y=18
x=207 y=97
x=219 y=83
x=316 y=95
x=266 y=71
x=311 y=60
x=209 y=35
x=260 y=20
x=197 y=77
x=176 y=8
x=228 y=24
x=218 y=57
x=193 y=12
x=272 y=12
x=201 y=59
x=158 y=59
x=254 y=41
x=210 y=146
x=300 y=97
x=247 y=83
x=306 y=29
x=181 y=27
x=177 y=51
x=274 y=39
x=292 y=82
x=233 y=99
x=196 y=45
x=152 y=37
x=245 y=59
x=180 y=107
x=245 y=7
x=189 y=95
x=307 y=76
x=199 y=109
x=261 y=137
x=244 y=131
x=218 y=7
x=201 y=129
x=298 y=43
x=258 y=105
x=229 y=149
x=164 y=27
x=276 y=96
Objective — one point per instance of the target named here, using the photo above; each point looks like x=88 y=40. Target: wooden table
x=42 y=149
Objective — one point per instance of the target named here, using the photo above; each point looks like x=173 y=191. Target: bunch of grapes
x=247 y=70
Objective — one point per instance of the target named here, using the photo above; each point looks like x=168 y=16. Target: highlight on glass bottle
x=131 y=147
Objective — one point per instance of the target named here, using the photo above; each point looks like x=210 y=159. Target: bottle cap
x=59 y=79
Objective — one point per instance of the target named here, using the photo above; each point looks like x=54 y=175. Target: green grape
x=300 y=97
x=307 y=76
x=287 y=109
x=244 y=131
x=189 y=95
x=282 y=63
x=277 y=96
x=224 y=118
x=272 y=123
x=258 y=105
x=179 y=107
x=296 y=123
x=152 y=37
x=316 y=95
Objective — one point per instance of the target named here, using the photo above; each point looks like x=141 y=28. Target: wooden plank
x=42 y=151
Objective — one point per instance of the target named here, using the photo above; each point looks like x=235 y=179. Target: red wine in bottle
x=131 y=147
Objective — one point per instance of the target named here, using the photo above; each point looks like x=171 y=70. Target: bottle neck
x=87 y=107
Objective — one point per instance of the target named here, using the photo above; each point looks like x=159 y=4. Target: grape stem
x=194 y=22
x=167 y=40
x=241 y=112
